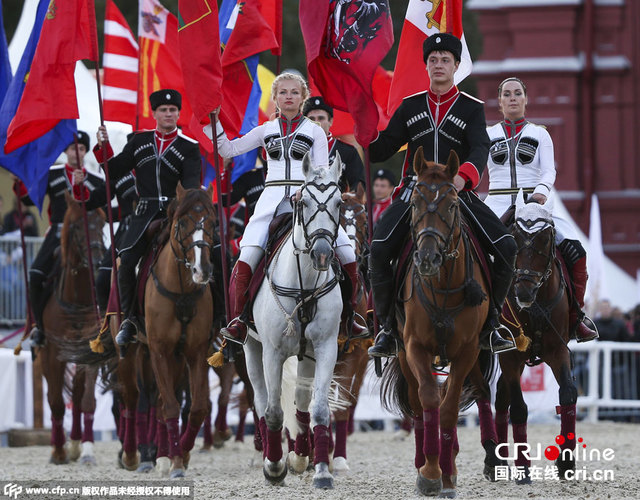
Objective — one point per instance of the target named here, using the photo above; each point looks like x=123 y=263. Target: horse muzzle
x=321 y=254
x=427 y=262
x=525 y=295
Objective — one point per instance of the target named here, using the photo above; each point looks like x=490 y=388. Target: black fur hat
x=316 y=102
x=165 y=96
x=83 y=138
x=440 y=42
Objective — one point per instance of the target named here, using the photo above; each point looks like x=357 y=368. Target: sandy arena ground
x=381 y=468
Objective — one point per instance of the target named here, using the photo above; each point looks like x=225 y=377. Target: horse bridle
x=310 y=238
x=444 y=242
x=536 y=277
x=353 y=222
x=76 y=233
x=180 y=237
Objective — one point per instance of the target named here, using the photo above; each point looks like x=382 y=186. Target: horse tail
x=475 y=388
x=394 y=393
x=79 y=351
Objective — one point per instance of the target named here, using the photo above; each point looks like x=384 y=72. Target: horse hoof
x=58 y=460
x=523 y=480
x=340 y=466
x=120 y=462
x=145 y=467
x=163 y=465
x=428 y=487
x=448 y=493
x=206 y=448
x=297 y=463
x=129 y=462
x=176 y=474
x=186 y=456
x=275 y=472
x=491 y=461
x=323 y=479
x=564 y=466
x=219 y=437
x=88 y=460
x=74 y=449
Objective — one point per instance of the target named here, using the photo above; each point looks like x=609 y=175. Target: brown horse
x=445 y=307
x=352 y=358
x=540 y=303
x=70 y=316
x=179 y=318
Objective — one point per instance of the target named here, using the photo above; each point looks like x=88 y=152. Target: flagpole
x=85 y=219
x=223 y=222
x=105 y=168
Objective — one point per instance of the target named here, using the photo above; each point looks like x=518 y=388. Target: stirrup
x=229 y=336
x=590 y=325
x=391 y=351
x=497 y=329
x=357 y=319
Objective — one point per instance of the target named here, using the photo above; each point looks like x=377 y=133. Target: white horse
x=297 y=312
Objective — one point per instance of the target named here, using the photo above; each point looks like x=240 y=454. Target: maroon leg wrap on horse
x=446 y=450
x=240 y=430
x=520 y=436
x=456 y=445
x=206 y=430
x=120 y=425
x=151 y=426
x=162 y=440
x=129 y=438
x=221 y=418
x=142 y=426
x=173 y=432
x=568 y=426
x=405 y=424
x=352 y=411
x=303 y=438
x=487 y=425
x=76 y=426
x=87 y=433
x=189 y=437
x=259 y=435
x=502 y=425
x=57 y=433
x=341 y=439
x=418 y=433
x=291 y=443
x=274 y=444
x=431 y=418
x=321 y=444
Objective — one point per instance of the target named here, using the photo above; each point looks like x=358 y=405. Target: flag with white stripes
x=120 y=62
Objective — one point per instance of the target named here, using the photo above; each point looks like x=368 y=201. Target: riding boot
x=387 y=340
x=236 y=331
x=576 y=315
x=127 y=287
x=492 y=328
x=36 y=296
x=357 y=330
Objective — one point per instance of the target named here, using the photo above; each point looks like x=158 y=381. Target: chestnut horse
x=70 y=317
x=445 y=307
x=178 y=320
x=540 y=300
x=352 y=353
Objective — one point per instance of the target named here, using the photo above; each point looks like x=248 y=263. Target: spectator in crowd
x=609 y=327
x=384 y=183
x=11 y=221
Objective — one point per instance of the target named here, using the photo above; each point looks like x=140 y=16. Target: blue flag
x=246 y=162
x=5 y=66
x=31 y=162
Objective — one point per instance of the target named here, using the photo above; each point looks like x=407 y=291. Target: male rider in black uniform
x=440 y=120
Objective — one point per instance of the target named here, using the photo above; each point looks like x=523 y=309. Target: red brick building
x=580 y=60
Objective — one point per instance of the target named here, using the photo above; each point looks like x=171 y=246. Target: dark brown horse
x=352 y=358
x=179 y=317
x=70 y=316
x=445 y=307
x=540 y=305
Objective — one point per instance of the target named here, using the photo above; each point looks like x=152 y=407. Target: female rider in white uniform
x=521 y=157
x=286 y=140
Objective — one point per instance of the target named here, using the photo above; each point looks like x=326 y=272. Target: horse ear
x=453 y=163
x=306 y=164
x=336 y=167
x=210 y=191
x=360 y=191
x=179 y=190
x=520 y=200
x=418 y=161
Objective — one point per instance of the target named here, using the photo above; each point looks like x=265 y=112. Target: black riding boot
x=37 y=298
x=387 y=340
x=127 y=286
x=490 y=338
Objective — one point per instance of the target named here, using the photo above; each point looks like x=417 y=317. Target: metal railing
x=13 y=299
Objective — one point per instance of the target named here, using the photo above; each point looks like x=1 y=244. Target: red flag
x=50 y=92
x=345 y=43
x=272 y=13
x=251 y=33
x=200 y=51
x=120 y=63
x=422 y=20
